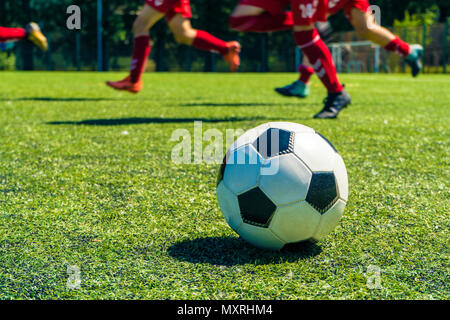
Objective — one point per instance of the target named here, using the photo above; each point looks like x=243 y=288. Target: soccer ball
x=282 y=183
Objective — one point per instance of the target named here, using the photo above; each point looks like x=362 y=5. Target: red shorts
x=171 y=7
x=334 y=6
x=308 y=12
x=274 y=7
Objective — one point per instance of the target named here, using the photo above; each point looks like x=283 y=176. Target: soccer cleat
x=295 y=89
x=126 y=85
x=414 y=59
x=35 y=35
x=334 y=104
x=232 y=56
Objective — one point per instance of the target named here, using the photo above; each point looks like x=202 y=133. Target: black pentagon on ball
x=322 y=192
x=256 y=208
x=274 y=142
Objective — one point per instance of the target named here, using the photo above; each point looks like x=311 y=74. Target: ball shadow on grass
x=231 y=251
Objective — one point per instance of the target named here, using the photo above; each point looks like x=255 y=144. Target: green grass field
x=86 y=180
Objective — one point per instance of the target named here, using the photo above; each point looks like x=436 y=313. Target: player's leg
x=184 y=33
x=301 y=87
x=308 y=39
x=12 y=34
x=31 y=32
x=261 y=16
x=146 y=19
x=306 y=13
x=366 y=27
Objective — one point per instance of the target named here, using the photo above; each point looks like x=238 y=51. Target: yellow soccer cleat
x=35 y=35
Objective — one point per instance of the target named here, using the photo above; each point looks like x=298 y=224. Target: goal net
x=353 y=57
x=356 y=56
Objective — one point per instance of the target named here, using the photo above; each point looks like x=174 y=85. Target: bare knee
x=185 y=36
x=182 y=30
x=362 y=23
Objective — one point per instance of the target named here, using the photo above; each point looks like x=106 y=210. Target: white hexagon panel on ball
x=260 y=237
x=295 y=222
x=242 y=169
x=229 y=206
x=292 y=127
x=330 y=220
x=315 y=152
x=290 y=183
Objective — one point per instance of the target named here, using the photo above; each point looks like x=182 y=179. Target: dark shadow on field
x=230 y=251
x=59 y=99
x=247 y=104
x=128 y=121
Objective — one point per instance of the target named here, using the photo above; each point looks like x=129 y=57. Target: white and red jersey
x=171 y=7
x=334 y=6
x=308 y=12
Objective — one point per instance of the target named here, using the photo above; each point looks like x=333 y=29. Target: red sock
x=263 y=23
x=7 y=34
x=205 y=41
x=305 y=73
x=398 y=46
x=140 y=56
x=320 y=57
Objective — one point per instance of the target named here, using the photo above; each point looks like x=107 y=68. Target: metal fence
x=276 y=52
x=433 y=38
